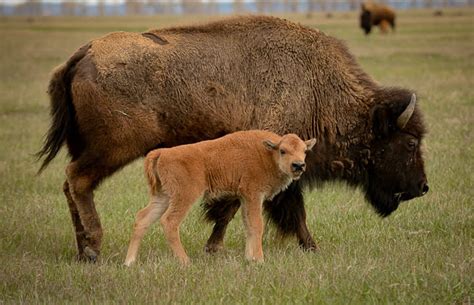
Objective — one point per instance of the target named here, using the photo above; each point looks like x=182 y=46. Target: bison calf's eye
x=282 y=152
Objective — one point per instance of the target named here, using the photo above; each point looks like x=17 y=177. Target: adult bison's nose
x=423 y=187
x=298 y=166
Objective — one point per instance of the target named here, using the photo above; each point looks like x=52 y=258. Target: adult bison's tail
x=62 y=110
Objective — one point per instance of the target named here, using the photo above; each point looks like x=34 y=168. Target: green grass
x=423 y=254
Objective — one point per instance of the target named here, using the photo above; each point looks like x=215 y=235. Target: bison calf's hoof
x=184 y=261
x=258 y=260
x=128 y=262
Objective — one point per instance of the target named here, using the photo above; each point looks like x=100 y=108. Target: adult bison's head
x=365 y=20
x=396 y=171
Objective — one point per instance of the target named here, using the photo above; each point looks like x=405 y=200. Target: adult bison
x=374 y=14
x=124 y=94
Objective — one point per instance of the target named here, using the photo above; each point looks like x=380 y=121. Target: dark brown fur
x=130 y=94
x=374 y=14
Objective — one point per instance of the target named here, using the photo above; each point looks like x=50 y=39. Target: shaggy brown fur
x=251 y=166
x=374 y=14
x=125 y=94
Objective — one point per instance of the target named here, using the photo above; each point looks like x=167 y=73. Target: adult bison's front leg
x=221 y=213
x=287 y=211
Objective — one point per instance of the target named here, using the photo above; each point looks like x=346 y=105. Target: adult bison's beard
x=384 y=201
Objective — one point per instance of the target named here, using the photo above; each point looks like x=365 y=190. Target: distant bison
x=376 y=15
x=124 y=94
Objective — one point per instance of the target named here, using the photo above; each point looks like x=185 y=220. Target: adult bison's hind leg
x=81 y=182
x=76 y=221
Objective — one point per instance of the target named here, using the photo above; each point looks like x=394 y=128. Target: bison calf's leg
x=252 y=217
x=222 y=213
x=172 y=218
x=81 y=187
x=145 y=217
x=76 y=221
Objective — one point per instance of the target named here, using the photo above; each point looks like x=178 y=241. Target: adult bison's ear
x=381 y=121
x=393 y=115
x=269 y=145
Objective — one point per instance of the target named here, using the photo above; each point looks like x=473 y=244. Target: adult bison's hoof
x=309 y=247
x=91 y=254
x=213 y=248
x=313 y=248
x=88 y=255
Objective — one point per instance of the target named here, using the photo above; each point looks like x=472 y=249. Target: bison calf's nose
x=298 y=166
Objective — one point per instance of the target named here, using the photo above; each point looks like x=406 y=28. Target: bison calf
x=252 y=166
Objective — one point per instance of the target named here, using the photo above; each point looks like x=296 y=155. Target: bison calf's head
x=397 y=170
x=290 y=154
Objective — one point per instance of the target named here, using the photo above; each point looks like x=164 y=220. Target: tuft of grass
x=423 y=254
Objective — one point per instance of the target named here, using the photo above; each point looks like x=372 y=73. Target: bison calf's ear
x=269 y=145
x=310 y=144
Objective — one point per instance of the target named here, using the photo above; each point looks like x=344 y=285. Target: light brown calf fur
x=252 y=166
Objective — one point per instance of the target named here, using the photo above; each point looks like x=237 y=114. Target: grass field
x=423 y=254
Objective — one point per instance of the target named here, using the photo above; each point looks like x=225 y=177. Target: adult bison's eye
x=412 y=144
x=282 y=152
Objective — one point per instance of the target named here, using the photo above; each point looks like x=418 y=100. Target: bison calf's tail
x=151 y=171
x=62 y=110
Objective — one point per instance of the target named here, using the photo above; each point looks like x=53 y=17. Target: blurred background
x=153 y=7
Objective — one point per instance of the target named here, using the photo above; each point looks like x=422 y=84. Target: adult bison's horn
x=407 y=113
